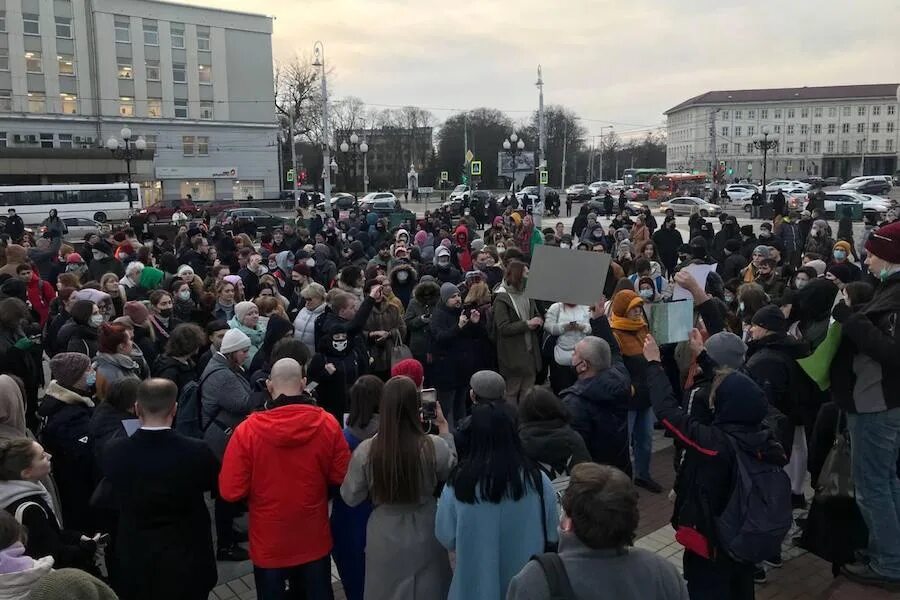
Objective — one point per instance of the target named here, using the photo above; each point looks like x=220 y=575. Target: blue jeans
x=310 y=581
x=874 y=449
x=640 y=437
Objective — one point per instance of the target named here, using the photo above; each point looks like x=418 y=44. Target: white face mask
x=340 y=346
x=402 y=276
x=443 y=261
x=185 y=295
x=310 y=262
x=96 y=320
x=565 y=245
x=97 y=254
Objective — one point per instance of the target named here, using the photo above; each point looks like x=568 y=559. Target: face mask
x=339 y=346
x=165 y=313
x=840 y=255
x=402 y=276
x=184 y=295
x=729 y=298
x=272 y=266
x=501 y=249
x=884 y=274
x=262 y=322
x=97 y=254
x=96 y=320
x=310 y=262
x=565 y=245
x=741 y=307
x=443 y=262
x=800 y=283
x=646 y=294
x=91 y=379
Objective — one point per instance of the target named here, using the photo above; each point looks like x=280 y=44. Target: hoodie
x=446 y=273
x=288 y=515
x=461 y=236
x=15 y=256
x=19 y=573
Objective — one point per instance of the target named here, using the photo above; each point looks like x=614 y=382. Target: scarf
x=228 y=309
x=630 y=333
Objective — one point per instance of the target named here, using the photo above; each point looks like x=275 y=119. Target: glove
x=841 y=312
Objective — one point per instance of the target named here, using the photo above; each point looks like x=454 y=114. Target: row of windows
x=68 y=104
x=34 y=62
x=195 y=145
x=817 y=112
x=125 y=69
x=31 y=25
x=150 y=29
x=803 y=147
x=62 y=197
x=816 y=129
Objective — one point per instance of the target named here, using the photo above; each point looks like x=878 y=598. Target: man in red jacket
x=282 y=460
x=40 y=292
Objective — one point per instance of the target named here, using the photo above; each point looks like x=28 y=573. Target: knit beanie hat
x=842 y=245
x=421 y=237
x=71 y=584
x=150 y=278
x=137 y=312
x=234 y=340
x=242 y=308
x=74 y=259
x=448 y=290
x=884 y=243
x=818 y=265
x=409 y=367
x=726 y=349
x=488 y=385
x=625 y=300
x=762 y=250
x=68 y=367
x=841 y=272
x=732 y=245
x=477 y=245
x=770 y=317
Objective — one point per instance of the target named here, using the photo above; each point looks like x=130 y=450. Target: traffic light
x=730 y=171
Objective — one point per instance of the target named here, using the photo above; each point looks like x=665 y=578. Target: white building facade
x=840 y=131
x=196 y=83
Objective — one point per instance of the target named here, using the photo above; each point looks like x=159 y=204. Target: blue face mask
x=91 y=379
x=840 y=255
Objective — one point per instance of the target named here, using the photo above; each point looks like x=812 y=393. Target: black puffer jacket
x=75 y=337
x=175 y=370
x=553 y=443
x=452 y=347
x=426 y=295
x=772 y=364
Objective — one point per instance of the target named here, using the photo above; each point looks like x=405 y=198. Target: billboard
x=524 y=163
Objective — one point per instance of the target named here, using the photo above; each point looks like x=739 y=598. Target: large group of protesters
x=392 y=401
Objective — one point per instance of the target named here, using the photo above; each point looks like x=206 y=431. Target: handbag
x=399 y=351
x=836 y=478
x=548 y=545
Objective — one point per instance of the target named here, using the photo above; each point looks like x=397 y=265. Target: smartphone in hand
x=429 y=404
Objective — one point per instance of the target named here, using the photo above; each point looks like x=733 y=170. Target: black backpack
x=557 y=578
x=189 y=417
x=758 y=513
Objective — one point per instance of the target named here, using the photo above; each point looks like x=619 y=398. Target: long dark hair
x=397 y=452
x=495 y=466
x=365 y=398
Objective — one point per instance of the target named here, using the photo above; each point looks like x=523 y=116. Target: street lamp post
x=765 y=142
x=319 y=61
x=514 y=146
x=128 y=150
x=354 y=148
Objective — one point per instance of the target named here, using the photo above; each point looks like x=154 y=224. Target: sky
x=619 y=63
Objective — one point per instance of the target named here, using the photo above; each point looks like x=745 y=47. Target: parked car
x=875 y=186
x=382 y=206
x=831 y=181
x=78 y=228
x=784 y=184
x=632 y=207
x=341 y=201
x=164 y=209
x=262 y=219
x=579 y=192
x=686 y=205
x=461 y=192
x=216 y=207
x=600 y=187
x=529 y=194
x=815 y=182
x=871 y=205
x=368 y=201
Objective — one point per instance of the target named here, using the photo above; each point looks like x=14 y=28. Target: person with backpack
x=727 y=467
x=596 y=537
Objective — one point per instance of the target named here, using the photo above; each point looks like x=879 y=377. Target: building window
x=202 y=145
x=817 y=112
x=126 y=106
x=123 y=29
x=845 y=110
x=749 y=148
x=804 y=113
x=804 y=129
x=202 y=37
x=738 y=114
x=817 y=147
x=737 y=131
x=876 y=110
x=4 y=59
x=206 y=110
x=46 y=140
x=152 y=67
x=126 y=70
x=751 y=114
x=860 y=111
x=832 y=111
x=802 y=164
x=777 y=113
x=5 y=100
x=889 y=145
x=65 y=140
x=831 y=128
x=751 y=130
x=876 y=127
x=64 y=28
x=187 y=145
x=830 y=145
x=154 y=107
x=181 y=109
x=802 y=147
x=3 y=28
x=151 y=32
x=789 y=148
x=845 y=146
x=764 y=113
x=724 y=148
x=873 y=146
x=37 y=102
x=31 y=24
x=66 y=64
x=724 y=114
x=177 y=31
x=151 y=142
x=845 y=127
x=891 y=109
x=790 y=130
x=860 y=146
x=69 y=104
x=204 y=72
x=860 y=128
x=817 y=129
x=790 y=113
x=776 y=129
x=737 y=148
x=724 y=132
x=33 y=62
x=179 y=75
x=889 y=127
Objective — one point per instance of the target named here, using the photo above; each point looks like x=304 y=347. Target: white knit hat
x=242 y=308
x=233 y=341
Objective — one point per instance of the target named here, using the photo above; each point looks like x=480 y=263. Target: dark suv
x=875 y=187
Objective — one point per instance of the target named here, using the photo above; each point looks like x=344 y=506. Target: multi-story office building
x=195 y=82
x=842 y=131
x=392 y=150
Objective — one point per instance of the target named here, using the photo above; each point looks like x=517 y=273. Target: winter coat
x=181 y=373
x=451 y=348
x=705 y=480
x=101 y=266
x=518 y=346
x=225 y=398
x=417 y=318
x=113 y=367
x=17 y=584
x=157 y=480
x=403 y=290
x=67 y=414
x=557 y=319
x=47 y=259
x=288 y=515
x=384 y=316
x=40 y=294
x=772 y=363
x=75 y=337
x=52 y=329
x=305 y=326
x=256 y=336
x=667 y=242
x=731 y=267
x=820 y=244
x=554 y=445
x=865 y=372
x=105 y=426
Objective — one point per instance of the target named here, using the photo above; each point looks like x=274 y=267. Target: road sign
x=290 y=175
x=469 y=156
x=545 y=177
x=476 y=167
x=426 y=190
x=445 y=176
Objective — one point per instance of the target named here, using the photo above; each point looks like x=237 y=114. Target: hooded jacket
x=772 y=364
x=461 y=237
x=225 y=399
x=324 y=270
x=518 y=346
x=553 y=444
x=16 y=583
x=108 y=264
x=113 y=367
x=444 y=274
x=418 y=314
x=403 y=290
x=15 y=256
x=75 y=337
x=288 y=514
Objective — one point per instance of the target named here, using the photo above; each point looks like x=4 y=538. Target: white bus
x=98 y=201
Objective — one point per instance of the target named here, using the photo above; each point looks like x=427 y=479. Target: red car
x=164 y=209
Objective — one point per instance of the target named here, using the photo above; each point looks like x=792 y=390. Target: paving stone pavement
x=803 y=576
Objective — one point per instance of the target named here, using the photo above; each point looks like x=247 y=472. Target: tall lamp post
x=514 y=146
x=765 y=142
x=319 y=61
x=353 y=149
x=127 y=150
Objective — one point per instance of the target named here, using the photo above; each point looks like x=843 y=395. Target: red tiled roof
x=830 y=92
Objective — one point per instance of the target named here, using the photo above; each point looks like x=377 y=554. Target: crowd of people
x=392 y=399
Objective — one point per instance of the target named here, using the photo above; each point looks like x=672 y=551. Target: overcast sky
x=620 y=62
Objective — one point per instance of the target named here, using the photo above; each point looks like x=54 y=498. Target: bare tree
x=297 y=95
